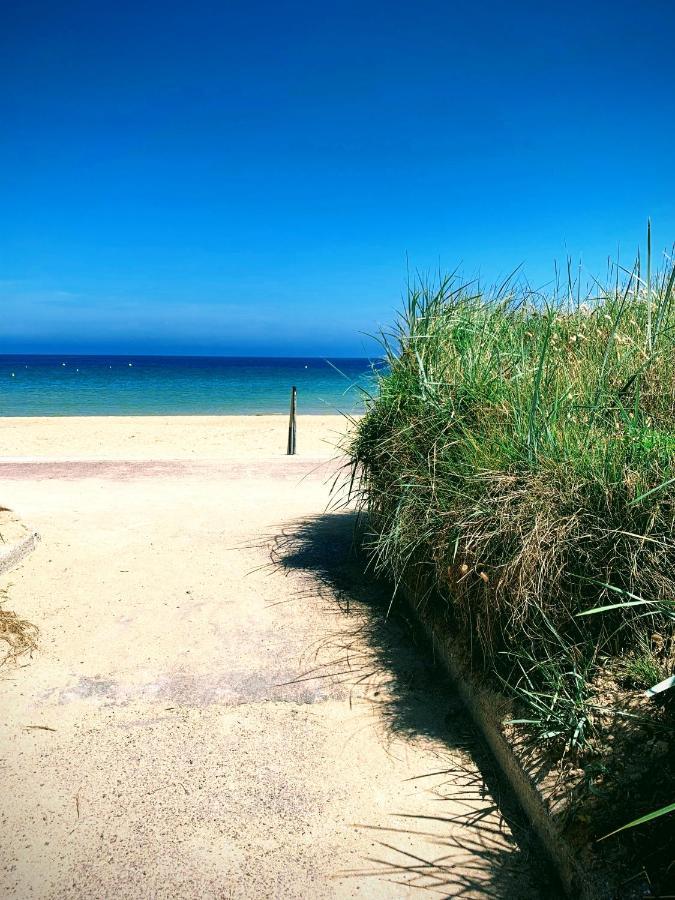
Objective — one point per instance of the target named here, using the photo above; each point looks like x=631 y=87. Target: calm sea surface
x=161 y=385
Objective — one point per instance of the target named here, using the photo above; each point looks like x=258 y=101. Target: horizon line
x=322 y=357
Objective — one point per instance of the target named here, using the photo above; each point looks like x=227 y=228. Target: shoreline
x=151 y=415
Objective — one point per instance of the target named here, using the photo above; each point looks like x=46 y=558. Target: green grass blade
x=642 y=820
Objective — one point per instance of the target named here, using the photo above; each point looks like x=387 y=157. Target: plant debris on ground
x=17 y=636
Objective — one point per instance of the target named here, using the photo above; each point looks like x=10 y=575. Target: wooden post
x=291 y=424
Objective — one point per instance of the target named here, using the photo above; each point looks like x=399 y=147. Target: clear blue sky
x=249 y=177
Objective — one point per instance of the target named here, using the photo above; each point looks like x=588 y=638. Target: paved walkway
x=218 y=709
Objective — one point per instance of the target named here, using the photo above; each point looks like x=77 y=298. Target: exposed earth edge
x=585 y=876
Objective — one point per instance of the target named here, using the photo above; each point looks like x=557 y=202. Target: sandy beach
x=167 y=437
x=217 y=707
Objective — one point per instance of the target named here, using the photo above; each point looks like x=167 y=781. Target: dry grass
x=17 y=636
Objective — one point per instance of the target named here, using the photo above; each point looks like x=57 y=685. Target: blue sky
x=250 y=178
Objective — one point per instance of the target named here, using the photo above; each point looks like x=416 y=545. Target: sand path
x=219 y=725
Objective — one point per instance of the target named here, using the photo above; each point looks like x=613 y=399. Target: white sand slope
x=201 y=722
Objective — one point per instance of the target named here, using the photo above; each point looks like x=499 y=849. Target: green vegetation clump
x=519 y=458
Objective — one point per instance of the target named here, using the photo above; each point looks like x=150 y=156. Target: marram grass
x=521 y=450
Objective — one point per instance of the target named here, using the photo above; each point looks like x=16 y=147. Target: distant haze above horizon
x=257 y=179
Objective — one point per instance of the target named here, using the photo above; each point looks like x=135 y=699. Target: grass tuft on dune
x=520 y=454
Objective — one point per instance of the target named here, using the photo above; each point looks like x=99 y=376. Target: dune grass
x=520 y=452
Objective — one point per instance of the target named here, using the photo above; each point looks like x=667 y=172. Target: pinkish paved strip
x=127 y=470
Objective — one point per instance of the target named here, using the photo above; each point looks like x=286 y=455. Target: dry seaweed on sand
x=17 y=635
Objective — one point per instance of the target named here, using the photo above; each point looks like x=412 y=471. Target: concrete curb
x=13 y=554
x=581 y=875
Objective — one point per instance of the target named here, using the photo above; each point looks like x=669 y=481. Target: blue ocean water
x=159 y=385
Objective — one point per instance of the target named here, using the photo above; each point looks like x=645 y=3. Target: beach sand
x=167 y=437
x=204 y=717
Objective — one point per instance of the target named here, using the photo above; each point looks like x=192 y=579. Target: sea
x=64 y=385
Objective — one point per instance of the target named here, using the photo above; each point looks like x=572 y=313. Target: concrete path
x=218 y=708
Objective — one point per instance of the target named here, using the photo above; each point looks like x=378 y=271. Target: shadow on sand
x=386 y=661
